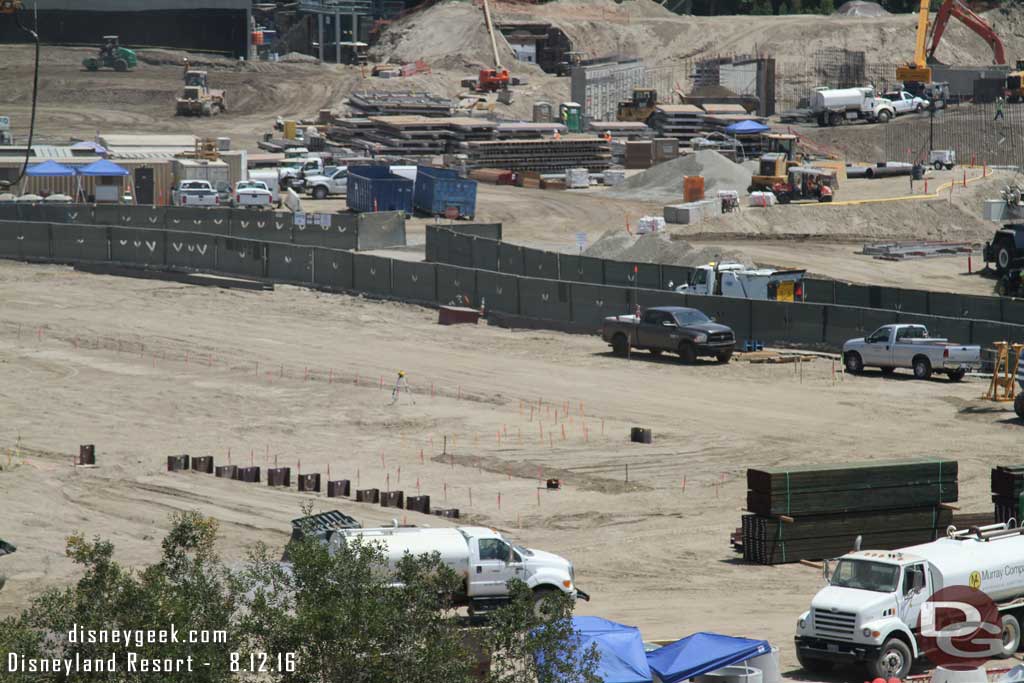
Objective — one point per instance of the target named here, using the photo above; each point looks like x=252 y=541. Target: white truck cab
x=485 y=560
x=736 y=280
x=869 y=611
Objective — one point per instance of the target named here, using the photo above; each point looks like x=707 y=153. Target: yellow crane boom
x=918 y=70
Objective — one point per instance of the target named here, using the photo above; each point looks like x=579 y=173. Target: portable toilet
x=571 y=115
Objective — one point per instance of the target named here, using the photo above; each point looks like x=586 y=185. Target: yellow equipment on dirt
x=779 y=156
x=198 y=99
x=640 y=108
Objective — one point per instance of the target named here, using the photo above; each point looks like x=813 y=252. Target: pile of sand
x=618 y=245
x=449 y=35
x=664 y=182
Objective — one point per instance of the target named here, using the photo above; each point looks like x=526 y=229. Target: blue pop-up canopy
x=746 y=127
x=103 y=167
x=621 y=648
x=702 y=652
x=50 y=169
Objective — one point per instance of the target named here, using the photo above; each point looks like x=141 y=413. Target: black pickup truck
x=685 y=331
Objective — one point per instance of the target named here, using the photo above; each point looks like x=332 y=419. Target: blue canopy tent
x=746 y=127
x=103 y=167
x=702 y=652
x=104 y=192
x=49 y=169
x=621 y=648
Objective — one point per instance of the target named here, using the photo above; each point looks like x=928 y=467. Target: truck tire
x=1005 y=253
x=835 y=119
x=541 y=596
x=854 y=363
x=687 y=353
x=620 y=345
x=919 y=108
x=812 y=664
x=893 y=661
x=937 y=166
x=884 y=116
x=120 y=65
x=1018 y=405
x=922 y=367
x=724 y=356
x=319 y=192
x=1011 y=636
x=956 y=375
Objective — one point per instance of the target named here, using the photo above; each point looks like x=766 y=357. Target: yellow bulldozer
x=640 y=107
x=779 y=156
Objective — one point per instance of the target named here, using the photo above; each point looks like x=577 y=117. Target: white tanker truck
x=870 y=610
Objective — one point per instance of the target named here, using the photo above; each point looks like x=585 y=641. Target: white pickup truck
x=736 y=280
x=195 y=193
x=333 y=181
x=905 y=103
x=252 y=194
x=909 y=346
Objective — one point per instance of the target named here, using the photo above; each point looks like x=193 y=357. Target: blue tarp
x=702 y=652
x=621 y=648
x=747 y=126
x=103 y=167
x=50 y=169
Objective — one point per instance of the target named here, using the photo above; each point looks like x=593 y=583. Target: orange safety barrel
x=693 y=188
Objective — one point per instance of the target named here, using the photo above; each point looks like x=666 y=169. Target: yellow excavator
x=918 y=71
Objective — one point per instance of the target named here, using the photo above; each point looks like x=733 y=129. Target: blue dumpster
x=376 y=188
x=441 y=189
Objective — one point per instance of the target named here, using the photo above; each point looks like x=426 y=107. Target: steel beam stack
x=543 y=156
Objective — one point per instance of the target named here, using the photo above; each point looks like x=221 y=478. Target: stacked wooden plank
x=543 y=156
x=528 y=130
x=1007 y=487
x=406 y=103
x=410 y=135
x=815 y=512
x=679 y=121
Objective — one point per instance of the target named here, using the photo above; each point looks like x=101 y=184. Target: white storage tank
x=731 y=674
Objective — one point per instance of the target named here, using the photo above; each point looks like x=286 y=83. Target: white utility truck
x=735 y=279
x=869 y=611
x=484 y=559
x=832 y=106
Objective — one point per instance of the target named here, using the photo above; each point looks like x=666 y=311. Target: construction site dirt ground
x=144 y=369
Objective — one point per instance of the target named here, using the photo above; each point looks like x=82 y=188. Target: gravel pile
x=664 y=182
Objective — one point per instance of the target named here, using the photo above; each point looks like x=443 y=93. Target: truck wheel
x=1011 y=636
x=884 y=116
x=854 y=363
x=120 y=65
x=620 y=345
x=919 y=108
x=957 y=375
x=922 y=367
x=723 y=356
x=320 y=192
x=688 y=353
x=812 y=664
x=894 y=660
x=1018 y=406
x=543 y=597
x=1004 y=255
x=937 y=166
x=835 y=118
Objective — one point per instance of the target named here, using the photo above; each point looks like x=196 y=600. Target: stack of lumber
x=410 y=135
x=542 y=156
x=679 y=121
x=625 y=130
x=816 y=512
x=408 y=103
x=1007 y=487
x=528 y=130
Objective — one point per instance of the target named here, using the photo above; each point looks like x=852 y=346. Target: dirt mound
x=660 y=248
x=449 y=35
x=664 y=182
x=860 y=8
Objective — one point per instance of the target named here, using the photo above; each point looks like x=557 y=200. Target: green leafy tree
x=827 y=7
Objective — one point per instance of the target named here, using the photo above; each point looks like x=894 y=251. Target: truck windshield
x=690 y=317
x=866 y=575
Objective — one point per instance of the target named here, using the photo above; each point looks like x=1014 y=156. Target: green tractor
x=112 y=56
